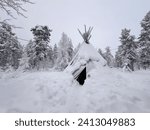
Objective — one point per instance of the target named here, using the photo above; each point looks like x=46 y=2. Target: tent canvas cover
x=86 y=57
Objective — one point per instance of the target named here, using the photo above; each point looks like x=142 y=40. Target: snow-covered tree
x=24 y=65
x=108 y=57
x=38 y=51
x=55 y=54
x=119 y=58
x=126 y=53
x=10 y=48
x=144 y=42
x=70 y=50
x=65 y=52
x=50 y=57
x=27 y=55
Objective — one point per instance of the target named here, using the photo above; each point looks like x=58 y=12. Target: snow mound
x=105 y=90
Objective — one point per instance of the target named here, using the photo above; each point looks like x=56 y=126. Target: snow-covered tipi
x=86 y=59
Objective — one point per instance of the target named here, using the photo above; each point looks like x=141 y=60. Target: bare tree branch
x=13 y=26
x=16 y=5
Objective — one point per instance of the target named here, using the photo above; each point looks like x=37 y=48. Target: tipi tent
x=85 y=59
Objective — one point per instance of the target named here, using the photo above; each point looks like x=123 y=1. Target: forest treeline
x=40 y=54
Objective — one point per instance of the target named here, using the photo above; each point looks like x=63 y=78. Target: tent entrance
x=82 y=76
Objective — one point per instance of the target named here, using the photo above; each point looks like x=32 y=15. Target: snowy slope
x=107 y=90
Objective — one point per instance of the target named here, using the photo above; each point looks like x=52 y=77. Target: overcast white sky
x=107 y=17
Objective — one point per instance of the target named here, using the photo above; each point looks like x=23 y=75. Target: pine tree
x=70 y=50
x=50 y=56
x=55 y=54
x=144 y=42
x=10 y=48
x=65 y=49
x=39 y=52
x=126 y=53
x=109 y=57
x=119 y=58
x=24 y=65
x=29 y=54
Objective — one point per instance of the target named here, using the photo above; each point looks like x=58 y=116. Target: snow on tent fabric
x=86 y=59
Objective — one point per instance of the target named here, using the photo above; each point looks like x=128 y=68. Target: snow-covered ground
x=106 y=90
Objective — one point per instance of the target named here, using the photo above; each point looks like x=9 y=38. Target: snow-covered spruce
x=10 y=48
x=144 y=43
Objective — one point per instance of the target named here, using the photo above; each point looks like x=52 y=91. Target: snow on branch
x=16 y=5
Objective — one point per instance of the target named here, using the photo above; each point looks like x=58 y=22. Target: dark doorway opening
x=82 y=76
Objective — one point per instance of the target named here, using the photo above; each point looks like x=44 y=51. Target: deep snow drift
x=107 y=90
